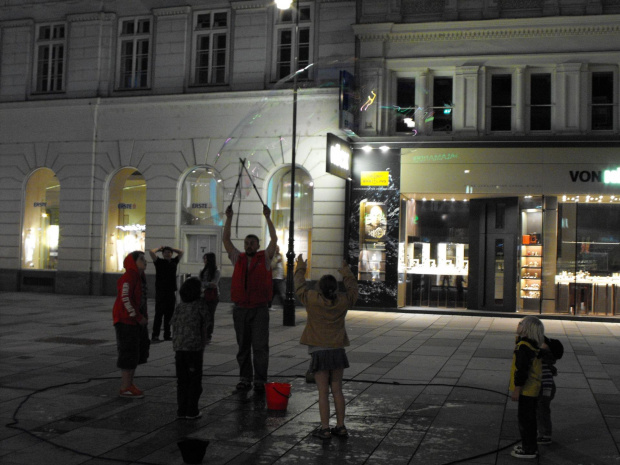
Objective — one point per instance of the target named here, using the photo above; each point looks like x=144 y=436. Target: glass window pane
x=540 y=89
x=442 y=92
x=203 y=21
x=202 y=199
x=501 y=89
x=540 y=118
x=41 y=233
x=220 y=19
x=405 y=100
x=304 y=13
x=126 y=222
x=127 y=27
x=602 y=117
x=501 y=119
x=603 y=87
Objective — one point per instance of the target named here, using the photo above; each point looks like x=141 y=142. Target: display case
x=531 y=260
x=373 y=229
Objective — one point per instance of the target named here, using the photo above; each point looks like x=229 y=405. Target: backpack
x=556 y=348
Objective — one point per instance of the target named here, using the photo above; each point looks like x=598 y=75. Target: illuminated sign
x=126 y=206
x=375 y=178
x=606 y=177
x=339 y=156
x=201 y=205
x=40 y=204
x=611 y=176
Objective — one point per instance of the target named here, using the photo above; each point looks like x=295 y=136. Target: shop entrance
x=493 y=254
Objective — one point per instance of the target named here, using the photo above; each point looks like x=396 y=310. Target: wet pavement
x=422 y=389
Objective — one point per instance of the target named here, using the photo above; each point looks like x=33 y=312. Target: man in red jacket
x=251 y=292
x=130 y=322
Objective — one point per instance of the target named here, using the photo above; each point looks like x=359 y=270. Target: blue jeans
x=252 y=331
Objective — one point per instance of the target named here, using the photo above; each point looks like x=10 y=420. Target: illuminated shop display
x=279 y=200
x=126 y=225
x=41 y=233
x=373 y=229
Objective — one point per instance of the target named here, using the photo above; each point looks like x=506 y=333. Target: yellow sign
x=375 y=178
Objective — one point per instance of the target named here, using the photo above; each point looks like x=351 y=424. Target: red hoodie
x=129 y=295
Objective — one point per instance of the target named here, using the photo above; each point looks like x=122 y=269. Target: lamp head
x=284 y=4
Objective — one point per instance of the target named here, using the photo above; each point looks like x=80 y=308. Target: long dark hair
x=328 y=285
x=209 y=267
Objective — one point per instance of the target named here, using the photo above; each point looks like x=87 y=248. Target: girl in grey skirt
x=326 y=337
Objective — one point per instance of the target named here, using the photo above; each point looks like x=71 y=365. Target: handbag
x=210 y=294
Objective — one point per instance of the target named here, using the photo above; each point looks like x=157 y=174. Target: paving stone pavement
x=59 y=385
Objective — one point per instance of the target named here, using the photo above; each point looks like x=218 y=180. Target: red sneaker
x=131 y=392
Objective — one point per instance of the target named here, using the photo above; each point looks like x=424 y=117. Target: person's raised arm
x=301 y=289
x=228 y=245
x=273 y=242
x=153 y=252
x=179 y=253
x=350 y=283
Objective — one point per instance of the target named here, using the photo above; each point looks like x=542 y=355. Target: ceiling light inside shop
x=366 y=148
x=384 y=148
x=466 y=171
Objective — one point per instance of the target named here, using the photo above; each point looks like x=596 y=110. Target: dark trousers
x=189 y=381
x=164 y=308
x=211 y=306
x=527 y=423
x=543 y=414
x=252 y=331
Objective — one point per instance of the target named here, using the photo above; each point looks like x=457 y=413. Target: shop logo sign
x=375 y=178
x=339 y=156
x=606 y=177
x=126 y=206
x=40 y=204
x=201 y=205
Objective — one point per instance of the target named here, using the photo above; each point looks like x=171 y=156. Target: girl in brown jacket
x=326 y=338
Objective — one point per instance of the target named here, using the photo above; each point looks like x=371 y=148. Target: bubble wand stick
x=252 y=181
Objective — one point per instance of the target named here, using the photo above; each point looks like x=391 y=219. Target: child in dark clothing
x=189 y=338
x=551 y=351
x=525 y=383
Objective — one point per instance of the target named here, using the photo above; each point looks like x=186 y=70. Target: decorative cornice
x=17 y=23
x=172 y=11
x=94 y=16
x=490 y=34
x=249 y=4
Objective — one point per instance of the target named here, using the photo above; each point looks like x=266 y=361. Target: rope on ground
x=15 y=421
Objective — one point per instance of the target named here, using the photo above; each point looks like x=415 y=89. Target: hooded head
x=135 y=261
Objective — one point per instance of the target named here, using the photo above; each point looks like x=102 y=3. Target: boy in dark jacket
x=130 y=322
x=551 y=350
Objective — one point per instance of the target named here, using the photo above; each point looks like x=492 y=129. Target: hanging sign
x=339 y=157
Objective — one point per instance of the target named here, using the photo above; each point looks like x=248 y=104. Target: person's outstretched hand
x=266 y=211
x=301 y=261
x=229 y=212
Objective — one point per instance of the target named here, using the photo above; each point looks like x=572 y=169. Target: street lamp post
x=288 y=313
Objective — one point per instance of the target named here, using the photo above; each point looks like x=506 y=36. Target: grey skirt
x=331 y=359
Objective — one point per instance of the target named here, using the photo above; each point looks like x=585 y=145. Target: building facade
x=495 y=125
x=124 y=125
x=485 y=143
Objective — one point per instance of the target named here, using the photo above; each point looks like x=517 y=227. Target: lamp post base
x=288 y=313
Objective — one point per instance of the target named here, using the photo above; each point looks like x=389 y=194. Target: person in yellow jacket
x=326 y=337
x=525 y=381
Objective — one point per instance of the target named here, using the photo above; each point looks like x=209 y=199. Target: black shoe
x=322 y=433
x=260 y=388
x=155 y=339
x=244 y=386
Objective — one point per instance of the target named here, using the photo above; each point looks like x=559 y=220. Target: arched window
x=280 y=203
x=41 y=233
x=126 y=225
x=202 y=199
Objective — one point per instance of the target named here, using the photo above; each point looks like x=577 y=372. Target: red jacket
x=129 y=295
x=251 y=286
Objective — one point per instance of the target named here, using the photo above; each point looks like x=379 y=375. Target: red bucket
x=277 y=395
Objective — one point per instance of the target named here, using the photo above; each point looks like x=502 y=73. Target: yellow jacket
x=325 y=323
x=526 y=368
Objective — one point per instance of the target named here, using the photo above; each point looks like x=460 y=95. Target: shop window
x=211 y=35
x=41 y=233
x=602 y=101
x=442 y=104
x=287 y=42
x=50 y=58
x=202 y=199
x=588 y=264
x=279 y=201
x=406 y=107
x=540 y=102
x=134 y=53
x=501 y=102
x=126 y=223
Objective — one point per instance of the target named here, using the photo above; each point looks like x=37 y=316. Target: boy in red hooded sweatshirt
x=130 y=322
